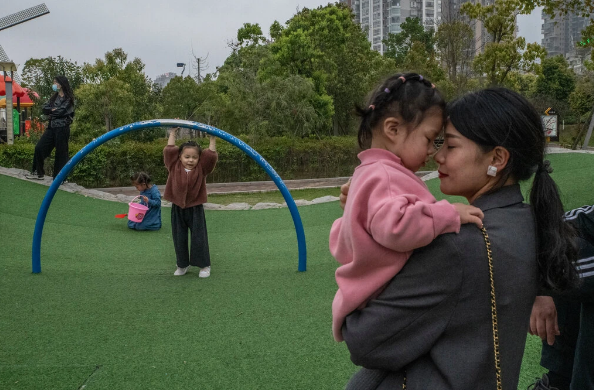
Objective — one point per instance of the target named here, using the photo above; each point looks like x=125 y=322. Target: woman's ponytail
x=556 y=249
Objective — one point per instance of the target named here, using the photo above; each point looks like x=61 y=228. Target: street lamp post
x=181 y=65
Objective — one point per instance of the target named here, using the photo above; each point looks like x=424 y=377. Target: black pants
x=52 y=137
x=570 y=360
x=191 y=218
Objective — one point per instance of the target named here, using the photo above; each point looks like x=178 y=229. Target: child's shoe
x=204 y=272
x=181 y=271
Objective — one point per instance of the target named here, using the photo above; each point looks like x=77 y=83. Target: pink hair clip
x=372 y=106
x=403 y=79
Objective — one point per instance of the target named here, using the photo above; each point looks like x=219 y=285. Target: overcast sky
x=160 y=34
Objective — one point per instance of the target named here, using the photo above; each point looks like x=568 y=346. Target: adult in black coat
x=60 y=110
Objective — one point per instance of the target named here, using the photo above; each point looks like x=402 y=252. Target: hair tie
x=387 y=90
x=372 y=107
x=403 y=79
x=546 y=167
x=420 y=77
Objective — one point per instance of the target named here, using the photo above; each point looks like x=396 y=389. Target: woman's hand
x=543 y=320
x=344 y=192
x=469 y=214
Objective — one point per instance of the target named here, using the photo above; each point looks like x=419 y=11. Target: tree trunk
x=589 y=134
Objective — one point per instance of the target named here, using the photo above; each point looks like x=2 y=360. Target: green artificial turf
x=107 y=313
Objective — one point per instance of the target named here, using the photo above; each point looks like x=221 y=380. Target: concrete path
x=126 y=194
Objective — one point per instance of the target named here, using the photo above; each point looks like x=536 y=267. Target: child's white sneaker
x=204 y=272
x=181 y=271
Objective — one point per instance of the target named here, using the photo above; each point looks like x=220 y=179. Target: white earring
x=492 y=171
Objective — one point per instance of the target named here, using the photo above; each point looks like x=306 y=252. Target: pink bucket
x=136 y=211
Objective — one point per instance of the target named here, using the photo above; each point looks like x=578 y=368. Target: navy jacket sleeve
x=154 y=197
x=403 y=323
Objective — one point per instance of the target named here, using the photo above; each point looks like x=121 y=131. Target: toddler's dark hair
x=141 y=178
x=408 y=95
x=189 y=144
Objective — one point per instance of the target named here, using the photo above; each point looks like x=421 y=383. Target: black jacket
x=582 y=220
x=63 y=114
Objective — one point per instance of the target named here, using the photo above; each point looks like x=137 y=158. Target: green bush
x=111 y=164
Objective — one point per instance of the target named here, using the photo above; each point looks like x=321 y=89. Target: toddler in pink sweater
x=389 y=211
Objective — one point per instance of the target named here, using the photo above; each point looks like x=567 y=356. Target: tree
x=115 y=80
x=250 y=34
x=523 y=83
x=180 y=98
x=581 y=100
x=556 y=79
x=504 y=53
x=327 y=47
x=276 y=29
x=552 y=7
x=398 y=45
x=425 y=63
x=109 y=102
x=455 y=44
x=587 y=40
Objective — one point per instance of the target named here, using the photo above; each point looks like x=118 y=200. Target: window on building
x=395 y=3
x=395 y=19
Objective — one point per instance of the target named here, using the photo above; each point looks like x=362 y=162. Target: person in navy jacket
x=151 y=197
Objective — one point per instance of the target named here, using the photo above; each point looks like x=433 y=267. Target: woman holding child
x=457 y=313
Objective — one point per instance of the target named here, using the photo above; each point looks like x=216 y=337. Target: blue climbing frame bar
x=47 y=200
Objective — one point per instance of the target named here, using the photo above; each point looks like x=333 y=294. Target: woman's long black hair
x=500 y=117
x=65 y=84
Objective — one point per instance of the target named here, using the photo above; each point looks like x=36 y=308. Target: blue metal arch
x=36 y=254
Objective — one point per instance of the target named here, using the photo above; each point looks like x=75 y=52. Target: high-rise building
x=561 y=35
x=382 y=17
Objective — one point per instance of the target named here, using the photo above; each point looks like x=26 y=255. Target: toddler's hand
x=344 y=192
x=469 y=214
x=145 y=199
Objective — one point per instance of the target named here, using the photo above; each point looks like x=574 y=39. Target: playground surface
x=107 y=312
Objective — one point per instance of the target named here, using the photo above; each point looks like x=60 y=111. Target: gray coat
x=433 y=320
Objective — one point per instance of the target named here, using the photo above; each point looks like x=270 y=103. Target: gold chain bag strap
x=493 y=315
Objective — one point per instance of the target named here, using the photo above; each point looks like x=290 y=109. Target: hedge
x=111 y=164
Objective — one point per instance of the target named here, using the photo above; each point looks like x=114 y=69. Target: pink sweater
x=389 y=213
